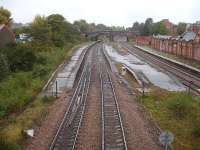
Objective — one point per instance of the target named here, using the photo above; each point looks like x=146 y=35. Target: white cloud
x=109 y=12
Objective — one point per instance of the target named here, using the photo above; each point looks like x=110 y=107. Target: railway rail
x=66 y=136
x=188 y=77
x=113 y=137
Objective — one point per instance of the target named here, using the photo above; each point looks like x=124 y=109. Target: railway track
x=187 y=77
x=113 y=137
x=66 y=136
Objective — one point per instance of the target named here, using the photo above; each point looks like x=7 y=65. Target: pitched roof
x=162 y=36
x=188 y=36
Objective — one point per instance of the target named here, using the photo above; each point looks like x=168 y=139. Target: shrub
x=39 y=71
x=4 y=145
x=4 y=68
x=180 y=105
x=196 y=129
x=20 y=57
x=47 y=99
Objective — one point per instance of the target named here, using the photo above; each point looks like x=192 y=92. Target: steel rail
x=118 y=110
x=116 y=107
x=176 y=71
x=67 y=112
x=80 y=85
x=85 y=99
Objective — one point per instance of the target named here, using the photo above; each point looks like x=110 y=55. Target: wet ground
x=145 y=72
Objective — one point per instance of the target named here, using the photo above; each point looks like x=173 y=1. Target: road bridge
x=111 y=35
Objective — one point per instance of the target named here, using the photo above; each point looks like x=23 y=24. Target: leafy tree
x=160 y=28
x=56 y=22
x=62 y=31
x=181 y=28
x=81 y=25
x=148 y=27
x=5 y=16
x=20 y=56
x=136 y=26
x=40 y=30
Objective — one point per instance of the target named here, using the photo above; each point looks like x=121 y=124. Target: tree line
x=149 y=27
x=45 y=34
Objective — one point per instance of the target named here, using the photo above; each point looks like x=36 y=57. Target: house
x=187 y=45
x=170 y=26
x=6 y=36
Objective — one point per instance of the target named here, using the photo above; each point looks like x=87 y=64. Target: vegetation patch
x=177 y=112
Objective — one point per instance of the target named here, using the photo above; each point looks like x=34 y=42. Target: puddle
x=144 y=70
x=66 y=76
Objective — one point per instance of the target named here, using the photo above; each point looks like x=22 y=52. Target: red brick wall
x=190 y=50
x=143 y=40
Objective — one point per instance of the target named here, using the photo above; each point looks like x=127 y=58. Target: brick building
x=6 y=36
x=187 y=45
x=170 y=26
x=143 y=40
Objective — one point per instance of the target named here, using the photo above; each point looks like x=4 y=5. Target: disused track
x=113 y=137
x=188 y=77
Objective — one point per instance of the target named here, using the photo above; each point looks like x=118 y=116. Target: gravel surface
x=45 y=133
x=90 y=132
x=139 y=131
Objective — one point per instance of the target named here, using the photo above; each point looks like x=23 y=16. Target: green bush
x=180 y=105
x=4 y=145
x=20 y=57
x=39 y=71
x=4 y=68
x=196 y=129
x=47 y=99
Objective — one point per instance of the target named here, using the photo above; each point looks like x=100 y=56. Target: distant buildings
x=6 y=36
x=186 y=45
x=172 y=28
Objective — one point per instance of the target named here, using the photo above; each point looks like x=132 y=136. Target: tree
x=81 y=25
x=181 y=28
x=136 y=26
x=160 y=28
x=148 y=27
x=5 y=16
x=20 y=57
x=40 y=30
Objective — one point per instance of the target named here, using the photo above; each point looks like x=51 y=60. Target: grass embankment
x=20 y=108
x=178 y=113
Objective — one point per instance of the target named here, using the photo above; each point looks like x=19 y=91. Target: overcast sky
x=109 y=12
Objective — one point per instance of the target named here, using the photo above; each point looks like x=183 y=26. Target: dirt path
x=45 y=133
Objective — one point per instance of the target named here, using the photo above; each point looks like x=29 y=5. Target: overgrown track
x=66 y=137
x=113 y=137
x=187 y=77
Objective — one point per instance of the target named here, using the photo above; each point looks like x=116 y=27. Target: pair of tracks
x=188 y=77
x=113 y=137
x=66 y=136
